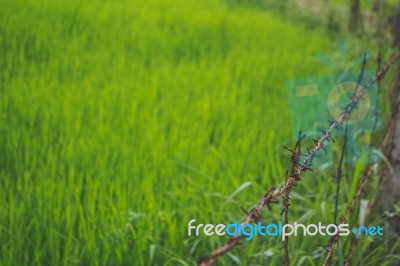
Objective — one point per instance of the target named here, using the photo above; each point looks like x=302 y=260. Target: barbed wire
x=365 y=177
x=298 y=167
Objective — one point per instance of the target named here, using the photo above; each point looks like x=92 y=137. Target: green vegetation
x=121 y=121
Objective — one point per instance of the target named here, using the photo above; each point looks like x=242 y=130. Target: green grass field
x=122 y=121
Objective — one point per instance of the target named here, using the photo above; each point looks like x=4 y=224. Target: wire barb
x=298 y=167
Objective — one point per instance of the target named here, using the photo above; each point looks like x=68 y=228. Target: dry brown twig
x=297 y=169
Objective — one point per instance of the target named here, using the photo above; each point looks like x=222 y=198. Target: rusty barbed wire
x=300 y=166
x=339 y=172
x=383 y=174
x=367 y=173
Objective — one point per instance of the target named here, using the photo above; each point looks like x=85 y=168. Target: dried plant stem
x=286 y=203
x=366 y=177
x=339 y=172
x=354 y=242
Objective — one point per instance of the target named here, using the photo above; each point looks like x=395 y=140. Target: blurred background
x=120 y=121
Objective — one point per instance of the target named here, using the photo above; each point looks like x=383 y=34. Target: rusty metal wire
x=297 y=169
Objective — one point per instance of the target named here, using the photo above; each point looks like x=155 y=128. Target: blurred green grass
x=121 y=121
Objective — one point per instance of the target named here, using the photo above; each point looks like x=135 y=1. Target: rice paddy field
x=120 y=121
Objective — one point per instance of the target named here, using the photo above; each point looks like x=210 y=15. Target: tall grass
x=121 y=121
